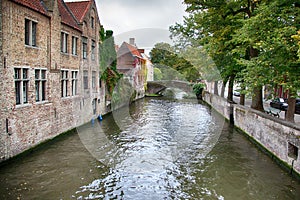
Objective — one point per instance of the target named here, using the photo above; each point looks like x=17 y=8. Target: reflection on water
x=156 y=149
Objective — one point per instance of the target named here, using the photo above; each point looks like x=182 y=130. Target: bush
x=198 y=88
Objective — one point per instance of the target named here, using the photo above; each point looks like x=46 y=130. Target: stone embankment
x=278 y=138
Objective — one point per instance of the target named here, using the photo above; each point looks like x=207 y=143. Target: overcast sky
x=146 y=20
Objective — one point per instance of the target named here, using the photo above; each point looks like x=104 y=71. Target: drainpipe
x=231 y=116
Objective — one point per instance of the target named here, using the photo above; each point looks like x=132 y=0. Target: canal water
x=154 y=149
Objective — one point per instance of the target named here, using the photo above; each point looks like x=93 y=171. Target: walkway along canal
x=154 y=149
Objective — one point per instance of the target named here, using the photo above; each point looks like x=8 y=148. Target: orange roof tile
x=133 y=50
x=67 y=16
x=79 y=8
x=33 y=4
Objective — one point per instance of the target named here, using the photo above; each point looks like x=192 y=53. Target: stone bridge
x=155 y=87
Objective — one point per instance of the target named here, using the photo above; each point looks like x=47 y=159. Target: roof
x=133 y=50
x=67 y=16
x=33 y=4
x=79 y=8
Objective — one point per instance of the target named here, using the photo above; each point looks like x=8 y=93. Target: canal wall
x=278 y=138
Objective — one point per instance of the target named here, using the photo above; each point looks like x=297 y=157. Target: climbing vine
x=108 y=60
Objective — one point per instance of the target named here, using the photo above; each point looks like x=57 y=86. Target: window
x=292 y=151
x=85 y=79
x=64 y=83
x=21 y=85
x=94 y=104
x=74 y=82
x=30 y=32
x=94 y=80
x=100 y=82
x=93 y=50
x=74 y=45
x=64 y=42
x=92 y=22
x=40 y=85
x=84 y=47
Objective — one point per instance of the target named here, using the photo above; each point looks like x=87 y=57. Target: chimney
x=49 y=4
x=132 y=41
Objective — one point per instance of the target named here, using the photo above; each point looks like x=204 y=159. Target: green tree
x=211 y=25
x=108 y=60
x=270 y=32
x=157 y=74
x=296 y=37
x=250 y=41
x=172 y=64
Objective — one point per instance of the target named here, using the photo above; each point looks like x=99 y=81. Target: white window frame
x=21 y=79
x=40 y=84
x=74 y=83
x=64 y=42
x=74 y=45
x=30 y=32
x=64 y=82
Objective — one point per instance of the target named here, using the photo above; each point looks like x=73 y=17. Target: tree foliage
x=254 y=42
x=108 y=60
x=172 y=64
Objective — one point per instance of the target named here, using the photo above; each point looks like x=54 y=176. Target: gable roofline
x=134 y=50
x=67 y=16
x=80 y=8
x=35 y=5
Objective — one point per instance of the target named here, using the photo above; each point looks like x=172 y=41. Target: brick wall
x=89 y=64
x=34 y=122
x=2 y=115
x=280 y=138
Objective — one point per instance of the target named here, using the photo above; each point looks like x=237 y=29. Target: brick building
x=132 y=65
x=49 y=71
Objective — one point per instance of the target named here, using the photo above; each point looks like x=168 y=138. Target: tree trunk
x=216 y=90
x=224 y=87
x=257 y=99
x=242 y=96
x=290 y=113
x=230 y=88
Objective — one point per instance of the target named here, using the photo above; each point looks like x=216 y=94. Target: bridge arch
x=155 y=87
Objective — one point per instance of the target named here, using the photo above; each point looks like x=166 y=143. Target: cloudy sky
x=145 y=20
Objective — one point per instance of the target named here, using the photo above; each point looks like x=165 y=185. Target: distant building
x=49 y=74
x=149 y=65
x=132 y=64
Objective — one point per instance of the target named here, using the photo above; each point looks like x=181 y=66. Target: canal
x=154 y=149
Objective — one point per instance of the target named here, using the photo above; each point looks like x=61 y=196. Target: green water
x=154 y=149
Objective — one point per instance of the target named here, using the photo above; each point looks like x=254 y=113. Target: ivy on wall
x=108 y=60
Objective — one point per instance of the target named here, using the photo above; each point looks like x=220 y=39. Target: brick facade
x=131 y=63
x=2 y=110
x=26 y=124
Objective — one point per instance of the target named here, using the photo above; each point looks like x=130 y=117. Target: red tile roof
x=79 y=8
x=33 y=4
x=67 y=16
x=133 y=50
